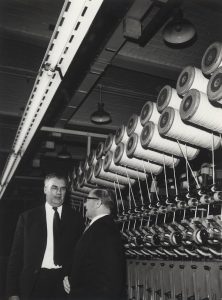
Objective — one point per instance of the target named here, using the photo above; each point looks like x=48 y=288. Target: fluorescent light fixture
x=74 y=22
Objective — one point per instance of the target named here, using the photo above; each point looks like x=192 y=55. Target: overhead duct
x=146 y=18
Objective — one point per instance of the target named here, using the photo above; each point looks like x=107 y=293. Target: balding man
x=98 y=270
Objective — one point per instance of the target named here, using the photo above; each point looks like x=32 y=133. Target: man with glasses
x=98 y=269
x=43 y=245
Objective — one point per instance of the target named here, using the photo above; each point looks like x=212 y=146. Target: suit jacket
x=29 y=247
x=99 y=270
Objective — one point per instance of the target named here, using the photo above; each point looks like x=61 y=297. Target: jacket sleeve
x=104 y=269
x=15 y=262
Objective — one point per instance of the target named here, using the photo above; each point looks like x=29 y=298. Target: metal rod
x=73 y=132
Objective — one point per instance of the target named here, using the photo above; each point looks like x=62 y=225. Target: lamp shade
x=64 y=154
x=100 y=116
x=178 y=30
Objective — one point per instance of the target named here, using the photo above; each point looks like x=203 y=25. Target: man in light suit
x=98 y=269
x=36 y=265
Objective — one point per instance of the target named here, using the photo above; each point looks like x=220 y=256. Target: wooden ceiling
x=129 y=73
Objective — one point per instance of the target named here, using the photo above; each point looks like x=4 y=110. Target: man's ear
x=45 y=188
x=99 y=203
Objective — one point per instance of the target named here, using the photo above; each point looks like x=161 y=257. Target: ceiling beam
x=73 y=132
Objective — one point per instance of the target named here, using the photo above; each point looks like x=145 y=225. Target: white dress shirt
x=48 y=262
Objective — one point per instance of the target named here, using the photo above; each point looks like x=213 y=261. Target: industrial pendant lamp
x=64 y=154
x=100 y=116
x=179 y=30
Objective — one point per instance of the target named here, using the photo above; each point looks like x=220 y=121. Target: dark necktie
x=57 y=238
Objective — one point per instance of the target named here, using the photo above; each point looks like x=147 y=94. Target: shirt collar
x=49 y=209
x=96 y=218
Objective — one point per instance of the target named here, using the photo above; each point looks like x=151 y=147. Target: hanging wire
x=141 y=194
x=197 y=183
x=187 y=171
x=117 y=202
x=213 y=163
x=121 y=198
x=147 y=187
x=175 y=180
x=165 y=178
x=130 y=187
x=153 y=180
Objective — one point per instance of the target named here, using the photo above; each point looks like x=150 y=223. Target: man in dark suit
x=43 y=246
x=98 y=269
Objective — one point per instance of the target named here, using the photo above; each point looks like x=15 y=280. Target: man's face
x=55 y=190
x=91 y=205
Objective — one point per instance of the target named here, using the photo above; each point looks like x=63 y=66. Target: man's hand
x=14 y=298
x=66 y=285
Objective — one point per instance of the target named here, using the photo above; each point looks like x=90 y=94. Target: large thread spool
x=191 y=78
x=91 y=160
x=90 y=177
x=151 y=138
x=109 y=165
x=110 y=144
x=212 y=58
x=82 y=183
x=197 y=109
x=80 y=168
x=168 y=97
x=149 y=112
x=77 y=187
x=100 y=173
x=214 y=88
x=134 y=149
x=134 y=125
x=120 y=158
x=78 y=195
x=86 y=165
x=171 y=125
x=100 y=150
x=121 y=135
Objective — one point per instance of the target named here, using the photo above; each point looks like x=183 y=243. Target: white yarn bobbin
x=79 y=188
x=80 y=168
x=197 y=109
x=134 y=125
x=109 y=165
x=100 y=173
x=214 y=88
x=151 y=138
x=92 y=179
x=110 y=144
x=212 y=58
x=121 y=158
x=121 y=135
x=91 y=160
x=191 y=78
x=81 y=182
x=86 y=165
x=170 y=124
x=100 y=150
x=134 y=149
x=149 y=112
x=79 y=194
x=168 y=97
x=84 y=189
x=75 y=187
